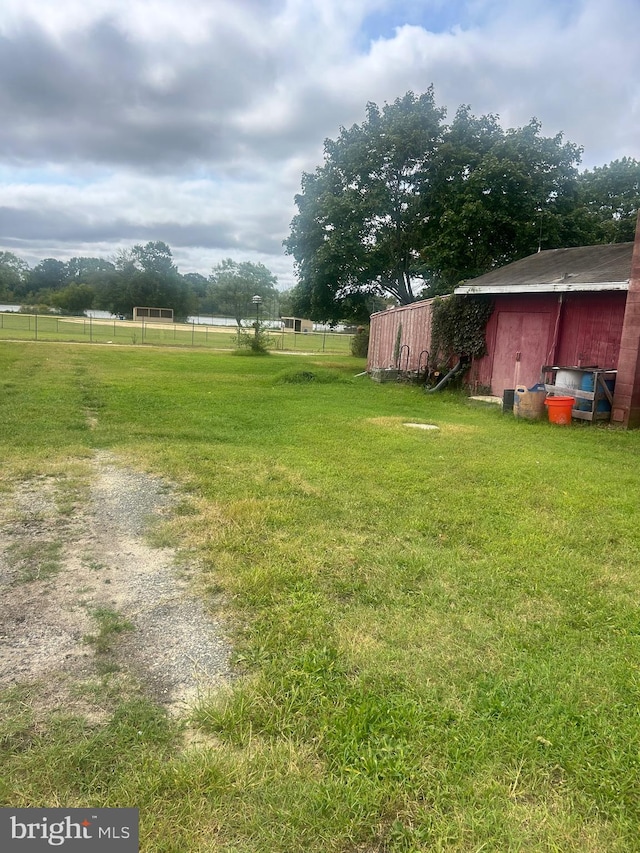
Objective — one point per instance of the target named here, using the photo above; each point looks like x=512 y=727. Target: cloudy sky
x=191 y=121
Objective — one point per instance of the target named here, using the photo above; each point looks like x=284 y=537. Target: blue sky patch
x=436 y=16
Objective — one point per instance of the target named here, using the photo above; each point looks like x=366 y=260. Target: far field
x=436 y=632
x=47 y=327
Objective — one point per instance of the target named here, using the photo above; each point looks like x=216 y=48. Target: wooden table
x=587 y=406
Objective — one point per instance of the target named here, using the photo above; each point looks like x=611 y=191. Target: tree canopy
x=609 y=198
x=361 y=214
x=13 y=273
x=233 y=284
x=144 y=275
x=405 y=205
x=48 y=274
x=74 y=298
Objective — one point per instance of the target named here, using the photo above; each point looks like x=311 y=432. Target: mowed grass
x=437 y=632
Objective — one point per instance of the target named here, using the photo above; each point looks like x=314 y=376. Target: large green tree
x=233 y=284
x=147 y=276
x=88 y=270
x=154 y=257
x=405 y=204
x=50 y=274
x=76 y=298
x=361 y=214
x=495 y=196
x=14 y=274
x=609 y=200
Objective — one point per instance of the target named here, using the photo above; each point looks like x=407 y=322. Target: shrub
x=254 y=339
x=360 y=343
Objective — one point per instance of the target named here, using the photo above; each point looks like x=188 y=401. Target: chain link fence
x=48 y=327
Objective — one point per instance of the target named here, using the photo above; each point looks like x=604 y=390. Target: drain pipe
x=453 y=372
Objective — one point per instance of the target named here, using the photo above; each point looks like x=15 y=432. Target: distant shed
x=297 y=324
x=153 y=315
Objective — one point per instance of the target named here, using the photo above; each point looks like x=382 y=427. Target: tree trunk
x=403 y=289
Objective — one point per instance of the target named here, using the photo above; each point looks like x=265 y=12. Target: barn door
x=520 y=350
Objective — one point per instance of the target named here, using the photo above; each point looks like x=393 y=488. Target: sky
x=192 y=121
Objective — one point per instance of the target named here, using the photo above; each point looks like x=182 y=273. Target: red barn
x=572 y=307
x=561 y=306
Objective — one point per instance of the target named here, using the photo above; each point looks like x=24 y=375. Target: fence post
x=36 y=325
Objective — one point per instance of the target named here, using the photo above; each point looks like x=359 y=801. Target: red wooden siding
x=591 y=329
x=524 y=332
x=519 y=341
x=415 y=321
x=626 y=399
x=521 y=344
x=580 y=329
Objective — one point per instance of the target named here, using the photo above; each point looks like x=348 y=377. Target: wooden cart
x=591 y=405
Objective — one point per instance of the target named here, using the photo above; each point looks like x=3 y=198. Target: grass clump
x=110 y=625
x=303 y=377
x=35 y=561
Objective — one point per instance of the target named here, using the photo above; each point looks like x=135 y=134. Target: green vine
x=458 y=327
x=397 y=345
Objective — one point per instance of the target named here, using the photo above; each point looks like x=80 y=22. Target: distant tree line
x=405 y=206
x=141 y=276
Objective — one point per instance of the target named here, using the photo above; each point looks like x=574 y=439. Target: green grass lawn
x=437 y=632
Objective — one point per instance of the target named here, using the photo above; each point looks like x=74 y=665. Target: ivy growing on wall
x=458 y=327
x=397 y=345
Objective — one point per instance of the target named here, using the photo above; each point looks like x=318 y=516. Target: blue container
x=587 y=385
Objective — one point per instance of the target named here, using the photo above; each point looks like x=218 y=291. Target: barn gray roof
x=582 y=268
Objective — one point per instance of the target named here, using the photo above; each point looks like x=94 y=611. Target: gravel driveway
x=63 y=565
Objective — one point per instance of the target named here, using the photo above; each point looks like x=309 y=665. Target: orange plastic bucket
x=559 y=409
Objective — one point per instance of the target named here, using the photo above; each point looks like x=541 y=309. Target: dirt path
x=89 y=608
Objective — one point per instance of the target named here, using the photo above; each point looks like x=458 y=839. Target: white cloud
x=192 y=121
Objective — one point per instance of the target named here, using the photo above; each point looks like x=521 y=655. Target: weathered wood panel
x=519 y=342
x=581 y=329
x=591 y=329
x=414 y=323
x=626 y=406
